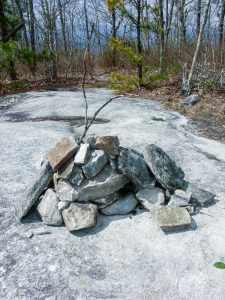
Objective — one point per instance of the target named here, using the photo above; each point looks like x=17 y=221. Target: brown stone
x=61 y=152
x=109 y=144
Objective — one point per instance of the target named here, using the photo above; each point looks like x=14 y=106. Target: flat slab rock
x=79 y=216
x=150 y=197
x=120 y=207
x=82 y=154
x=61 y=152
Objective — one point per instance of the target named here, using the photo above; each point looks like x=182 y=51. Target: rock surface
x=82 y=154
x=48 y=209
x=109 y=144
x=79 y=216
x=120 y=207
x=76 y=177
x=61 y=152
x=164 y=168
x=150 y=197
x=63 y=205
x=65 y=192
x=180 y=198
x=191 y=100
x=132 y=164
x=95 y=164
x=66 y=170
x=200 y=196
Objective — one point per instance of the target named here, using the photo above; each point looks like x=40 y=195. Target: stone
x=120 y=207
x=35 y=190
x=63 y=205
x=107 y=200
x=172 y=218
x=167 y=173
x=91 y=140
x=191 y=100
x=97 y=161
x=65 y=191
x=79 y=216
x=180 y=198
x=199 y=196
x=61 y=152
x=112 y=162
x=82 y=154
x=65 y=171
x=48 y=209
x=109 y=144
x=77 y=177
x=132 y=164
x=150 y=197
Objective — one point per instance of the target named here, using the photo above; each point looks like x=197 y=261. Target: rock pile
x=77 y=182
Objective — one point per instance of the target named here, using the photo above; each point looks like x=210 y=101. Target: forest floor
x=206 y=118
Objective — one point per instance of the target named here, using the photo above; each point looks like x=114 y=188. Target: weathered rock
x=95 y=164
x=65 y=191
x=48 y=209
x=109 y=144
x=164 y=168
x=180 y=198
x=82 y=154
x=61 y=152
x=35 y=189
x=112 y=162
x=65 y=171
x=77 y=177
x=79 y=216
x=120 y=207
x=107 y=200
x=191 y=100
x=132 y=164
x=150 y=197
x=91 y=140
x=63 y=205
x=199 y=196
x=172 y=218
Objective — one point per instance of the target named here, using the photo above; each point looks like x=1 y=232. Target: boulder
x=199 y=196
x=97 y=161
x=172 y=218
x=132 y=164
x=48 y=209
x=82 y=154
x=61 y=152
x=150 y=197
x=167 y=173
x=191 y=100
x=65 y=191
x=180 y=198
x=77 y=177
x=109 y=144
x=79 y=216
x=65 y=171
x=35 y=189
x=63 y=205
x=120 y=207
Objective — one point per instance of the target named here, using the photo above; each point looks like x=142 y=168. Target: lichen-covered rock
x=97 y=161
x=150 y=197
x=82 y=154
x=180 y=198
x=109 y=144
x=65 y=191
x=120 y=207
x=61 y=152
x=48 y=209
x=79 y=216
x=168 y=174
x=132 y=164
x=172 y=218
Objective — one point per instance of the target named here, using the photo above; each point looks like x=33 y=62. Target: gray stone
x=65 y=191
x=79 y=216
x=164 y=168
x=172 y=218
x=199 y=196
x=132 y=164
x=35 y=189
x=180 y=198
x=82 y=154
x=112 y=162
x=63 y=205
x=95 y=164
x=48 y=209
x=150 y=197
x=107 y=200
x=191 y=100
x=61 y=152
x=109 y=144
x=65 y=171
x=77 y=176
x=91 y=140
x=120 y=207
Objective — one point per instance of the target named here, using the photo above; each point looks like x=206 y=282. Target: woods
x=139 y=42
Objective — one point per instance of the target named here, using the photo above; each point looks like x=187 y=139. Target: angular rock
x=65 y=191
x=199 y=196
x=63 y=205
x=164 y=168
x=65 y=171
x=79 y=216
x=132 y=164
x=82 y=154
x=113 y=163
x=172 y=218
x=109 y=144
x=77 y=177
x=107 y=200
x=95 y=164
x=35 y=189
x=180 y=198
x=120 y=207
x=48 y=209
x=61 y=152
x=191 y=100
x=150 y=197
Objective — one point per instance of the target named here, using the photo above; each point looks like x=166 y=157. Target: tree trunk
x=32 y=35
x=139 y=45
x=162 y=36
x=221 y=23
